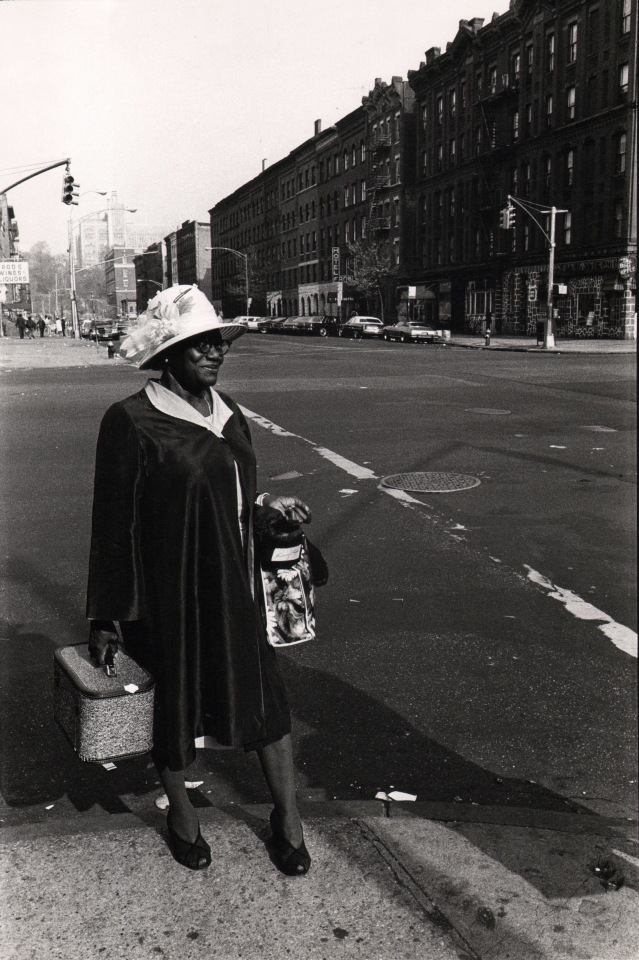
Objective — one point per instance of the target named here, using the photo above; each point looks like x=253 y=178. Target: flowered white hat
x=175 y=314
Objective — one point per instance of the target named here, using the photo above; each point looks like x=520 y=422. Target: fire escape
x=378 y=183
x=497 y=136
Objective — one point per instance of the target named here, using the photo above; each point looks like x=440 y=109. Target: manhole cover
x=489 y=411
x=430 y=482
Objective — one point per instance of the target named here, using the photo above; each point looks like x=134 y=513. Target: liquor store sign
x=14 y=271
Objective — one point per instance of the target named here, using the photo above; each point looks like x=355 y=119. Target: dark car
x=313 y=324
x=411 y=331
x=362 y=327
x=272 y=324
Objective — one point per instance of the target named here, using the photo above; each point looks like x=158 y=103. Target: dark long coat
x=167 y=555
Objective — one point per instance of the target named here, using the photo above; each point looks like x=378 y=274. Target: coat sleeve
x=116 y=580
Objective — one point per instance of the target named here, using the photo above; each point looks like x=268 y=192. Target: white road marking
x=623 y=638
x=627 y=857
x=354 y=469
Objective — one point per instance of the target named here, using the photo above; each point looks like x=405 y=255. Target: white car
x=362 y=327
x=407 y=331
x=251 y=322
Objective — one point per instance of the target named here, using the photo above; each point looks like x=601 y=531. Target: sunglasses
x=205 y=344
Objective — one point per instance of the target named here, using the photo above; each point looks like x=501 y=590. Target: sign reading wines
x=14 y=271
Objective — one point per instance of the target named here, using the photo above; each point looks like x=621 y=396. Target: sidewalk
x=66 y=352
x=439 y=882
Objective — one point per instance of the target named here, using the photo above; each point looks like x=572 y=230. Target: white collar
x=170 y=403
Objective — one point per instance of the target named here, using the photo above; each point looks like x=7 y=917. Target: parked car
x=251 y=321
x=314 y=324
x=99 y=329
x=290 y=325
x=361 y=327
x=272 y=324
x=413 y=331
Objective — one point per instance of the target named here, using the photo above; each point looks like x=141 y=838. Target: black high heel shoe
x=293 y=861
x=195 y=856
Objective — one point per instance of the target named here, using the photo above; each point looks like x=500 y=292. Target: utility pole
x=507 y=222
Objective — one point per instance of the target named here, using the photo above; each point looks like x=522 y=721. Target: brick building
x=192 y=241
x=539 y=104
x=149 y=273
x=120 y=281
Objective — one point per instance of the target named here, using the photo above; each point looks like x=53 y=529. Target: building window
x=623 y=81
x=528 y=116
x=363 y=190
x=396 y=212
x=362 y=151
x=440 y=156
x=451 y=151
x=363 y=230
x=570 y=166
x=527 y=179
x=462 y=147
x=462 y=94
x=516 y=125
x=354 y=193
x=547 y=166
x=346 y=196
x=353 y=156
x=347 y=232
x=571 y=100
x=618 y=226
x=526 y=235
x=529 y=58
x=549 y=110
x=452 y=103
x=440 y=109
x=424 y=116
x=567 y=229
x=346 y=160
x=625 y=15
x=336 y=163
x=492 y=79
x=515 y=67
x=620 y=154
x=397 y=128
x=477 y=140
x=572 y=43
x=451 y=203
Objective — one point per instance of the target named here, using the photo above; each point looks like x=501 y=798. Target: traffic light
x=70 y=189
x=507 y=217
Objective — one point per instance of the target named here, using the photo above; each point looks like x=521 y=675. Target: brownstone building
x=149 y=273
x=538 y=105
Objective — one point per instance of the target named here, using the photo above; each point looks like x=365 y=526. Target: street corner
x=77 y=892
x=530 y=893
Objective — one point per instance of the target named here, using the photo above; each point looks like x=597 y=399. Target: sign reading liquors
x=335 y=258
x=14 y=271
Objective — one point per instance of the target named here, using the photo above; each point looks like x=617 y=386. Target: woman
x=172 y=559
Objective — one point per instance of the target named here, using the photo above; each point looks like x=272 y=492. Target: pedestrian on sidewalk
x=31 y=326
x=21 y=322
x=41 y=325
x=172 y=559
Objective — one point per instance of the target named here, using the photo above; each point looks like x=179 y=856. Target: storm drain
x=430 y=482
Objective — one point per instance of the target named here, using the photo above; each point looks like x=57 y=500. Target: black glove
x=272 y=526
x=103 y=641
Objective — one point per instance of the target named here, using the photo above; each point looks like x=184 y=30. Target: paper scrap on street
x=131 y=687
x=348 y=492
x=162 y=803
x=397 y=795
x=109 y=766
x=289 y=475
x=193 y=784
x=50 y=807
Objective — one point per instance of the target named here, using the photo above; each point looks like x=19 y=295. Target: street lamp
x=244 y=256
x=148 y=280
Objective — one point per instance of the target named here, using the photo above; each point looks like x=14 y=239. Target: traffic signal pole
x=507 y=221
x=74 y=306
x=549 y=334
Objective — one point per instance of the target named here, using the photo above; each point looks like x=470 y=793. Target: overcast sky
x=175 y=104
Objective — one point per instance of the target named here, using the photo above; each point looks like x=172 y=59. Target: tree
x=371 y=268
x=258 y=282
x=44 y=268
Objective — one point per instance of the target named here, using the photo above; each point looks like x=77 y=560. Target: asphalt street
x=473 y=646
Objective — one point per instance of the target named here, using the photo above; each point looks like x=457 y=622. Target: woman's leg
x=183 y=817
x=277 y=764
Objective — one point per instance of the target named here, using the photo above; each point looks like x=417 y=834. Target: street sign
x=412 y=293
x=14 y=271
x=335 y=259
